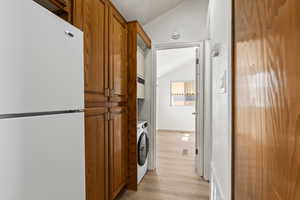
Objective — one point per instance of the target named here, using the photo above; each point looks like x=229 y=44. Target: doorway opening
x=177 y=143
x=176 y=108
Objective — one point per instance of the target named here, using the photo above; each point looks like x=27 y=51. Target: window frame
x=183 y=81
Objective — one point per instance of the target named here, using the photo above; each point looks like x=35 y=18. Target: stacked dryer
x=143 y=149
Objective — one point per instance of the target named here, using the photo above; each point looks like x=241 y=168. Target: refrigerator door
x=42 y=158
x=41 y=60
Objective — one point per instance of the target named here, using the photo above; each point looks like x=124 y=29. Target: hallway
x=175 y=178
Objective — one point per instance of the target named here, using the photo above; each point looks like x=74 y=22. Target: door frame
x=153 y=100
x=208 y=108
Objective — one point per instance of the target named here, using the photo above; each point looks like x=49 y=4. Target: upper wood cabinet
x=105 y=34
x=118 y=133
x=62 y=8
x=92 y=16
x=96 y=153
x=105 y=65
x=118 y=56
x=78 y=13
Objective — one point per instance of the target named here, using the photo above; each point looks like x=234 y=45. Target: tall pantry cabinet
x=106 y=135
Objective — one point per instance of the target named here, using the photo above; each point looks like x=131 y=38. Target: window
x=183 y=93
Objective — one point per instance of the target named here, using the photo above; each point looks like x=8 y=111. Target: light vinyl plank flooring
x=175 y=177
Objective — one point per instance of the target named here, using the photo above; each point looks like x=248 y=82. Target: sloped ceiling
x=172 y=59
x=144 y=10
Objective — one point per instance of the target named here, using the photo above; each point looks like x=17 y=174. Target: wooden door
x=92 y=17
x=267 y=100
x=118 y=150
x=96 y=155
x=118 y=56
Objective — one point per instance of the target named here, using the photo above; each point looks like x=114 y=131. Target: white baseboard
x=177 y=131
x=216 y=192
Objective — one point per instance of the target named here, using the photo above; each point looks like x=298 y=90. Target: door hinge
x=197 y=151
x=197 y=61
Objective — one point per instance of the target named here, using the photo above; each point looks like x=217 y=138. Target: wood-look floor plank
x=175 y=177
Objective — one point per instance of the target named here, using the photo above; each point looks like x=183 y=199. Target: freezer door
x=42 y=158
x=41 y=60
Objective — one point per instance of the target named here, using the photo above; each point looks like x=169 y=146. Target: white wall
x=175 y=117
x=188 y=18
x=220 y=32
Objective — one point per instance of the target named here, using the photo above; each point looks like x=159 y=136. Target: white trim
x=207 y=111
x=208 y=18
x=152 y=128
x=157 y=47
x=229 y=5
x=230 y=94
x=216 y=186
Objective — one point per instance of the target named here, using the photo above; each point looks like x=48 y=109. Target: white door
x=41 y=60
x=199 y=111
x=42 y=158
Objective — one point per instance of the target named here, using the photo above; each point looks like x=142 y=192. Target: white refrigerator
x=41 y=104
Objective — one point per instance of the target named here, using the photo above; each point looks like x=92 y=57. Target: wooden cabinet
x=106 y=140
x=118 y=56
x=78 y=13
x=61 y=8
x=135 y=31
x=93 y=21
x=118 y=149
x=105 y=67
x=105 y=34
x=96 y=153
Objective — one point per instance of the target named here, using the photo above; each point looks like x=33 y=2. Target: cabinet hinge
x=197 y=61
x=197 y=151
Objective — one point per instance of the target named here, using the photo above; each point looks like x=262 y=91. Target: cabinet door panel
x=96 y=142
x=118 y=56
x=96 y=51
x=118 y=150
x=78 y=13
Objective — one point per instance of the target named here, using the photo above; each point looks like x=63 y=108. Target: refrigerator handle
x=70 y=34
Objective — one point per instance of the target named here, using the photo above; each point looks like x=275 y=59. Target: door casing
x=153 y=102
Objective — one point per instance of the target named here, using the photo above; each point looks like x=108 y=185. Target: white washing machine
x=143 y=149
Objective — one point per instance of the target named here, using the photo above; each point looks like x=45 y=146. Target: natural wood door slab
x=266 y=100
